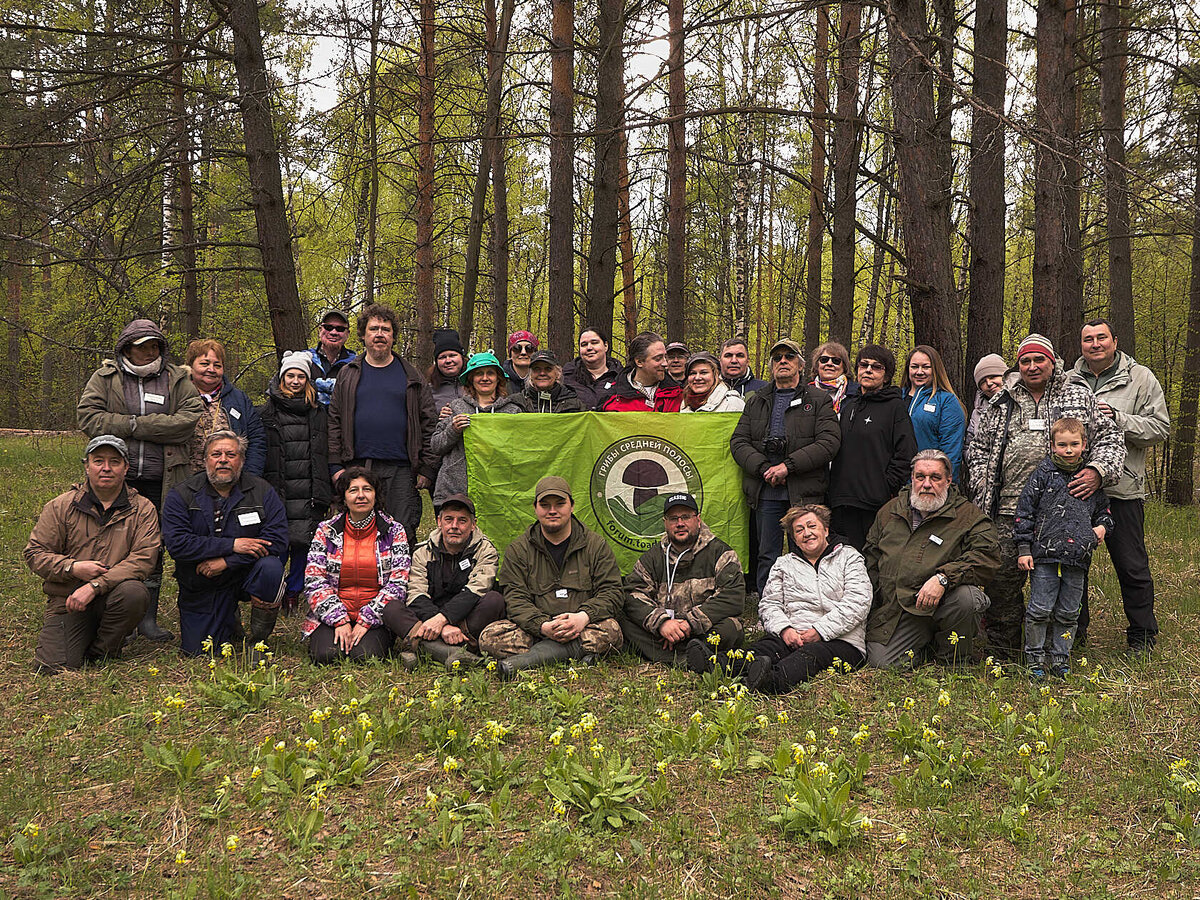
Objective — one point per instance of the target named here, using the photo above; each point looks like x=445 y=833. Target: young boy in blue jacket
x=1055 y=534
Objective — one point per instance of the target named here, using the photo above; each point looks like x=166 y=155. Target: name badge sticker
x=1037 y=424
x=236 y=413
x=249 y=518
x=937 y=540
x=561 y=594
x=465 y=564
x=156 y=398
x=929 y=407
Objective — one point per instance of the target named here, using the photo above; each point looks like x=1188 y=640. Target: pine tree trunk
x=186 y=256
x=423 y=351
x=499 y=243
x=676 y=177
x=628 y=263
x=816 y=189
x=1181 y=479
x=1114 y=54
x=985 y=172
x=266 y=182
x=560 y=324
x=846 y=143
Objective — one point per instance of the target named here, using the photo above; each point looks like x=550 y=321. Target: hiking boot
x=1037 y=674
x=1060 y=671
x=699 y=656
x=756 y=673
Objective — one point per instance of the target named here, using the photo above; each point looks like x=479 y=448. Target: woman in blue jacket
x=938 y=418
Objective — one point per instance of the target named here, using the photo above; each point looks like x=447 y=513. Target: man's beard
x=927 y=504
x=221 y=478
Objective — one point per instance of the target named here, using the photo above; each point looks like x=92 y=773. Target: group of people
x=887 y=522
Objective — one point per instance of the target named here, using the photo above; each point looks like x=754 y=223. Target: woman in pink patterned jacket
x=357 y=564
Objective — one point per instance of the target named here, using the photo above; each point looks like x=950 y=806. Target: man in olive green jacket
x=562 y=589
x=930 y=553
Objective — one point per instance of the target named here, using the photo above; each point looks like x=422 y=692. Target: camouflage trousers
x=505 y=638
x=1006 y=615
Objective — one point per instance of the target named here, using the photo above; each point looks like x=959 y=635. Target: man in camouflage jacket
x=686 y=587
x=1012 y=439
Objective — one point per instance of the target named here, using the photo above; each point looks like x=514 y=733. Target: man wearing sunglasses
x=331 y=352
x=521 y=347
x=784 y=442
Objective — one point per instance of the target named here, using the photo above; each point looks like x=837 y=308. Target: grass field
x=156 y=777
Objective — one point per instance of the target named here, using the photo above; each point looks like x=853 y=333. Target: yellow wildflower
x=231 y=843
x=181 y=858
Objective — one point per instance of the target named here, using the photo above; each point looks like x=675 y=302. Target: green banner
x=621 y=466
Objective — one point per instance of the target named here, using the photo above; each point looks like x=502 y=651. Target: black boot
x=438 y=649
x=540 y=654
x=148 y=627
x=262 y=623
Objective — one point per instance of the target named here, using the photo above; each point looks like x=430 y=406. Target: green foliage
x=605 y=793
x=185 y=763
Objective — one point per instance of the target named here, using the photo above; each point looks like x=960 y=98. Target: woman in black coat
x=297 y=461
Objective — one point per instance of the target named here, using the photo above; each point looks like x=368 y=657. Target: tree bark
x=816 y=186
x=920 y=211
x=985 y=173
x=186 y=255
x=423 y=352
x=846 y=144
x=676 y=176
x=560 y=324
x=1181 y=478
x=372 y=188
x=266 y=183
x=610 y=104
x=496 y=37
x=628 y=263
x=499 y=242
x=1114 y=57
x=1054 y=257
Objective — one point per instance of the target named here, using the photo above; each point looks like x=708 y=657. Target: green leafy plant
x=186 y=764
x=605 y=793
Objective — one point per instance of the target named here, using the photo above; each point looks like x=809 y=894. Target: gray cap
x=106 y=440
x=333 y=311
x=296 y=359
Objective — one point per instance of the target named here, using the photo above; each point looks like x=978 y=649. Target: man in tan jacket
x=93 y=546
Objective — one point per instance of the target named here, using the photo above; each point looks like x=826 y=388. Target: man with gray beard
x=929 y=553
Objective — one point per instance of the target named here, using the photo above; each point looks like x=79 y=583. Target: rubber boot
x=464 y=657
x=540 y=654
x=439 y=650
x=262 y=623
x=149 y=627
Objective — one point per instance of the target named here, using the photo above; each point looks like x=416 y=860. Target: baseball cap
x=544 y=356
x=677 y=347
x=456 y=500
x=552 y=486
x=787 y=344
x=332 y=312
x=681 y=499
x=106 y=440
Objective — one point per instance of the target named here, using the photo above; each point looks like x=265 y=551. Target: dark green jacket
x=958 y=541
x=708 y=585
x=589 y=580
x=813 y=437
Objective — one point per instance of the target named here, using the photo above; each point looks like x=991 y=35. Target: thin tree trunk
x=815 y=251
x=610 y=104
x=1181 y=479
x=921 y=214
x=361 y=215
x=883 y=227
x=1067 y=339
x=186 y=257
x=560 y=324
x=496 y=37
x=628 y=263
x=846 y=143
x=676 y=176
x=425 y=177
x=985 y=172
x=373 y=153
x=1114 y=57
x=266 y=182
x=499 y=243
x=15 y=285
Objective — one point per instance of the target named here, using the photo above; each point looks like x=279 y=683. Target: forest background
x=954 y=173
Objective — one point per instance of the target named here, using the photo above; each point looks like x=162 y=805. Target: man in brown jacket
x=562 y=589
x=92 y=546
x=930 y=553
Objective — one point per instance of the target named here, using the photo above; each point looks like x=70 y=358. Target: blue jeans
x=770 y=536
x=1055 y=593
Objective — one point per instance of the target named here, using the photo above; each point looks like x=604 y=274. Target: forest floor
x=161 y=777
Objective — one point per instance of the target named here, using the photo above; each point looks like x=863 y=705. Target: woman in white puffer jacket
x=813 y=609
x=704 y=391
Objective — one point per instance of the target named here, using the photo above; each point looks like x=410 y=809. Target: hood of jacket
x=135 y=331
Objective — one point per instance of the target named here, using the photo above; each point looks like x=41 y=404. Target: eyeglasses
x=871 y=366
x=828 y=359
x=522 y=348
x=678 y=520
x=336 y=329
x=782 y=355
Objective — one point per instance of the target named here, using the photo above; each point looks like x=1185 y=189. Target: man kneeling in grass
x=562 y=589
x=92 y=547
x=686 y=587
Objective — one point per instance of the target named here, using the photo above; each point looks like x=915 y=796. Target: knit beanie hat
x=447 y=339
x=1036 y=343
x=296 y=359
x=992 y=364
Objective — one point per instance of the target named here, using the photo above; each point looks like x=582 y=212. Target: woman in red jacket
x=644 y=385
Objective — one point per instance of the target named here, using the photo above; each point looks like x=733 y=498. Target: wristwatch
x=95 y=586
x=943 y=580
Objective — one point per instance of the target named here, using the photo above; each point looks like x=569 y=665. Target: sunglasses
x=336 y=329
x=872 y=366
x=828 y=359
x=522 y=348
x=782 y=355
